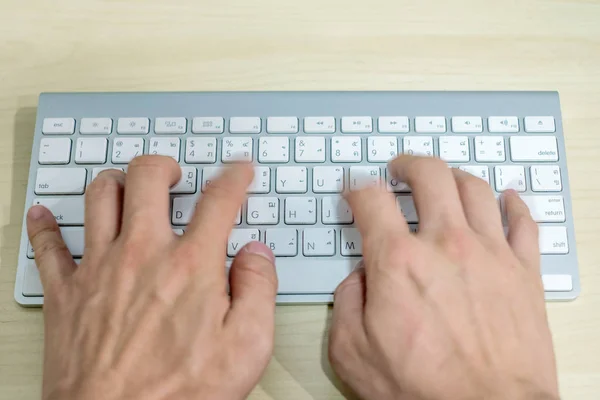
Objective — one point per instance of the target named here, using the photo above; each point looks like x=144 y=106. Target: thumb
x=52 y=257
x=253 y=285
x=349 y=301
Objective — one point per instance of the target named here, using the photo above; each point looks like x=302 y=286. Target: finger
x=146 y=202
x=103 y=208
x=376 y=215
x=522 y=230
x=218 y=206
x=349 y=301
x=52 y=257
x=253 y=285
x=479 y=204
x=434 y=191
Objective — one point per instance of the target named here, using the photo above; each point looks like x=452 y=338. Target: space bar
x=312 y=276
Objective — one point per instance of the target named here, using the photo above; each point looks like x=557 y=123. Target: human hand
x=146 y=315
x=456 y=311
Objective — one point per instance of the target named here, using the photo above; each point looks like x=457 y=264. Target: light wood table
x=73 y=45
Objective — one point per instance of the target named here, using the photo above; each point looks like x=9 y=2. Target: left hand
x=146 y=315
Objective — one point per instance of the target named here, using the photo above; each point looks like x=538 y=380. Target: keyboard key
x=237 y=149
x=503 y=124
x=394 y=185
x=346 y=149
x=553 y=240
x=133 y=126
x=382 y=148
x=274 y=150
x=489 y=149
x=58 y=126
x=201 y=150
x=357 y=124
x=170 y=126
x=557 y=283
x=291 y=180
x=188 y=181
x=239 y=238
x=455 y=149
x=282 y=125
x=418 y=145
x=301 y=211
x=364 y=176
x=328 y=179
x=126 y=149
x=245 y=125
x=66 y=210
x=96 y=171
x=467 y=124
x=209 y=174
x=479 y=171
x=91 y=150
x=207 y=125
x=539 y=124
x=545 y=208
x=393 y=124
x=430 y=124
x=546 y=178
x=73 y=238
x=533 y=148
x=282 y=242
x=165 y=146
x=336 y=210
x=351 y=242
x=318 y=242
x=95 y=126
x=407 y=206
x=32 y=285
x=310 y=149
x=510 y=177
x=262 y=211
x=262 y=180
x=60 y=181
x=183 y=209
x=319 y=125
x=55 y=151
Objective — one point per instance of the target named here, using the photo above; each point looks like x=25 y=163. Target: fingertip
x=37 y=212
x=259 y=249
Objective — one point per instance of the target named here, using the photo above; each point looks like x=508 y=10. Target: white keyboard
x=308 y=147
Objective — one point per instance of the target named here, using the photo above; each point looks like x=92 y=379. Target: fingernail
x=510 y=192
x=259 y=249
x=36 y=212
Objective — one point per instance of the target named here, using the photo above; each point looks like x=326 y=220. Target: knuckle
x=106 y=182
x=525 y=222
x=133 y=249
x=470 y=184
x=457 y=242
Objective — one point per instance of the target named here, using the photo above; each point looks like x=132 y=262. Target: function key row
x=291 y=125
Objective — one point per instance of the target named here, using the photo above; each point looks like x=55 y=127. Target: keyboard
x=307 y=148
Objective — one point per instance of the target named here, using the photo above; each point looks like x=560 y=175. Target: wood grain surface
x=123 y=45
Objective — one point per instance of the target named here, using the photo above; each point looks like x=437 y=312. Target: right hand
x=456 y=311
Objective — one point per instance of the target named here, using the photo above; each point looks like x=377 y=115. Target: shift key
x=66 y=210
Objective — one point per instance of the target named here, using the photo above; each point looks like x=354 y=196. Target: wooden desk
x=72 y=45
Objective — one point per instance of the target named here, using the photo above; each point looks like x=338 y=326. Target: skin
x=454 y=312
